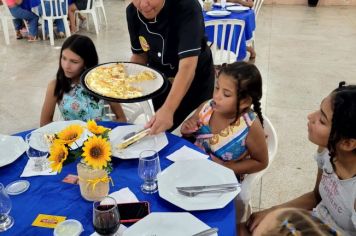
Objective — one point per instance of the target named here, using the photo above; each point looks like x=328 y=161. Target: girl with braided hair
x=333 y=129
x=226 y=127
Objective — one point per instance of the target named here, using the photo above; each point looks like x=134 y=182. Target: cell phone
x=134 y=211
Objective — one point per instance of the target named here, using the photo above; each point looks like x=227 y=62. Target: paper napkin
x=124 y=195
x=186 y=153
x=28 y=170
x=119 y=232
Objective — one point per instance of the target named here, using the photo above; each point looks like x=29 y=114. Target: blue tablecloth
x=250 y=25
x=49 y=195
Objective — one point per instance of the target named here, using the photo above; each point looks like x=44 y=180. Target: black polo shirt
x=177 y=32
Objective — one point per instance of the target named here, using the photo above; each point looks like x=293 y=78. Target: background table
x=250 y=25
x=49 y=195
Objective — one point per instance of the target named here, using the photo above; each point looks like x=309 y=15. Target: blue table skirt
x=29 y=4
x=250 y=25
x=49 y=195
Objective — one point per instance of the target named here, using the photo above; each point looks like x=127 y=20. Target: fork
x=195 y=193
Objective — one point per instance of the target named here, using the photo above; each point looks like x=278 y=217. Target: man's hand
x=161 y=121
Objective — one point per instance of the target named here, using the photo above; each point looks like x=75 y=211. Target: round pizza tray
x=151 y=89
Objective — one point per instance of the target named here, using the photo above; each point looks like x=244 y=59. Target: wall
x=321 y=2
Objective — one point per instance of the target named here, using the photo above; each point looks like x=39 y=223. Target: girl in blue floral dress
x=77 y=54
x=226 y=127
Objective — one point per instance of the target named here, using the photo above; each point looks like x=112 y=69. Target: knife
x=207 y=232
x=131 y=140
x=202 y=187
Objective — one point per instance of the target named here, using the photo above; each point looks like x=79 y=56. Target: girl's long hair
x=248 y=83
x=84 y=47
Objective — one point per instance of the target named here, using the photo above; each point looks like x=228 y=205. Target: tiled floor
x=302 y=53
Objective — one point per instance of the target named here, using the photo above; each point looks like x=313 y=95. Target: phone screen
x=132 y=212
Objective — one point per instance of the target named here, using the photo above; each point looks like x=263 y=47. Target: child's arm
x=257 y=149
x=307 y=201
x=191 y=125
x=118 y=111
x=246 y=3
x=49 y=104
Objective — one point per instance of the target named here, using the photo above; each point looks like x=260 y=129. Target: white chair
x=250 y=180
x=89 y=10
x=136 y=113
x=220 y=55
x=57 y=12
x=5 y=16
x=257 y=6
x=99 y=5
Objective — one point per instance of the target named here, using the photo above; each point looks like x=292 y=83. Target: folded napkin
x=119 y=232
x=28 y=170
x=186 y=153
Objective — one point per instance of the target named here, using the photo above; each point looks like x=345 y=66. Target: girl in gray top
x=334 y=197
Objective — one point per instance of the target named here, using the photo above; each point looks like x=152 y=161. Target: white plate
x=237 y=8
x=218 y=4
x=168 y=223
x=148 y=86
x=17 y=187
x=192 y=173
x=57 y=126
x=218 y=13
x=155 y=142
x=11 y=148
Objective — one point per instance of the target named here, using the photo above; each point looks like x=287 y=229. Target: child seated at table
x=226 y=127
x=77 y=54
x=333 y=199
x=291 y=221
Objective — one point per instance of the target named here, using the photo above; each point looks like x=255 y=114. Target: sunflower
x=58 y=154
x=97 y=152
x=70 y=134
x=94 y=128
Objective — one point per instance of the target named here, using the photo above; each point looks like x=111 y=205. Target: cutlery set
x=192 y=191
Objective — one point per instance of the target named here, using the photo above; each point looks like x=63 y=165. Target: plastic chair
x=91 y=9
x=250 y=180
x=257 y=6
x=99 y=5
x=136 y=113
x=221 y=55
x=57 y=12
x=5 y=16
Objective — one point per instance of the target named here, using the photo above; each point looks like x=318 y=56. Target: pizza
x=113 y=81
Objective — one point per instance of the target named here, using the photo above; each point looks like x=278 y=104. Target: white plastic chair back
x=251 y=179
x=91 y=9
x=57 y=11
x=99 y=5
x=5 y=16
x=257 y=6
x=136 y=113
x=220 y=55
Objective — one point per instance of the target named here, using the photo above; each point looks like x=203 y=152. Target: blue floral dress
x=77 y=104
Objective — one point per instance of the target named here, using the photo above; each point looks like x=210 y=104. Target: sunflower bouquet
x=96 y=150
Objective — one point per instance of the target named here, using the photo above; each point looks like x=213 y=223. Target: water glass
x=223 y=4
x=37 y=150
x=148 y=168
x=106 y=216
x=6 y=221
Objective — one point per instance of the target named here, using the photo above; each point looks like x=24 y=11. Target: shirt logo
x=144 y=44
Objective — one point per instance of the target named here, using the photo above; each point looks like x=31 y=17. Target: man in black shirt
x=168 y=35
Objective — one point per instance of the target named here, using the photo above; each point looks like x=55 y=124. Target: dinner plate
x=237 y=8
x=150 y=88
x=218 y=4
x=154 y=142
x=11 y=148
x=54 y=128
x=193 y=173
x=218 y=13
x=167 y=223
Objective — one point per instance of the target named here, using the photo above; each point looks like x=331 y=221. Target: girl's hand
x=189 y=126
x=215 y=159
x=256 y=218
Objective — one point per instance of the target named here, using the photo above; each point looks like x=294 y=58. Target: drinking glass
x=37 y=150
x=106 y=217
x=223 y=4
x=6 y=221
x=148 y=168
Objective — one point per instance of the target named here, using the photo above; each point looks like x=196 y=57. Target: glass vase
x=93 y=183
